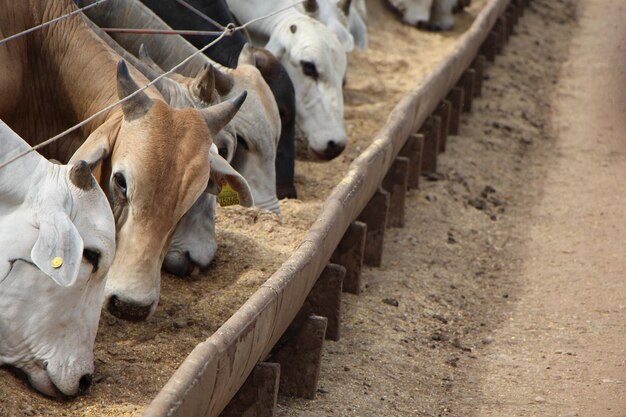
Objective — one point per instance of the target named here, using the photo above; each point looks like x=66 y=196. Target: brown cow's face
x=158 y=169
x=155 y=163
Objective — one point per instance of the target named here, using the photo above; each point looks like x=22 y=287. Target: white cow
x=426 y=14
x=316 y=63
x=57 y=241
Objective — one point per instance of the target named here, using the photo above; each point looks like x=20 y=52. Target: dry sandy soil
x=134 y=360
x=505 y=295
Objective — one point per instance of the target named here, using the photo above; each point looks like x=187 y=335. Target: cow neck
x=76 y=73
x=14 y=175
x=167 y=51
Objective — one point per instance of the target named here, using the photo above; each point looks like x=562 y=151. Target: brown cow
x=152 y=160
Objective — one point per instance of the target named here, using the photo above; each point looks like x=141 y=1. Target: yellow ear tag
x=56 y=262
x=227 y=196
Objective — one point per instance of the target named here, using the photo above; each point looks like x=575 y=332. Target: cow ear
x=344 y=36
x=358 y=29
x=58 y=250
x=344 y=6
x=140 y=103
x=276 y=44
x=96 y=147
x=222 y=172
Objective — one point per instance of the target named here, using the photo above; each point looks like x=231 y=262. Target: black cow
x=226 y=52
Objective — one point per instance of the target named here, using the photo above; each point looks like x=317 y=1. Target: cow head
x=194 y=242
x=57 y=246
x=316 y=63
x=256 y=140
x=153 y=168
x=282 y=89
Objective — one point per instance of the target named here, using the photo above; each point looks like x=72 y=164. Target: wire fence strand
x=55 y=20
x=228 y=30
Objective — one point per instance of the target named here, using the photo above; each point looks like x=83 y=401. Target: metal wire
x=55 y=20
x=148 y=31
x=229 y=30
x=110 y=106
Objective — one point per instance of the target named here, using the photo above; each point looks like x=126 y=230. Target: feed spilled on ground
x=134 y=360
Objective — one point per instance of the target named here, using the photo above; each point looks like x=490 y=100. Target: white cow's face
x=56 y=249
x=258 y=128
x=316 y=63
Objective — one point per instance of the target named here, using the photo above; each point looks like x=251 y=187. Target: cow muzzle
x=128 y=309
x=62 y=383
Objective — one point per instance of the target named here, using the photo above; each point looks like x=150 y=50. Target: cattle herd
x=90 y=220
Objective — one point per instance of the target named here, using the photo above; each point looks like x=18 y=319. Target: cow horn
x=145 y=57
x=80 y=176
x=246 y=56
x=221 y=114
x=310 y=6
x=203 y=85
x=224 y=81
x=140 y=103
x=344 y=5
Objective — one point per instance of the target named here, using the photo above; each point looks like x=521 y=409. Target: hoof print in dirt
x=440 y=336
x=391 y=302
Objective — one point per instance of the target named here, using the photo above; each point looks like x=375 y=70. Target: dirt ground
x=134 y=360
x=505 y=295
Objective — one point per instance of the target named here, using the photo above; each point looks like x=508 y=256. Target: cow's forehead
x=164 y=156
x=163 y=136
x=321 y=47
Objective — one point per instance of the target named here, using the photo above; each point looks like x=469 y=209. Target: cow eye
x=242 y=142
x=309 y=69
x=93 y=257
x=120 y=182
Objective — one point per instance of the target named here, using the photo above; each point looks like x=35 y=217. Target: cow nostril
x=84 y=383
x=333 y=149
x=128 y=310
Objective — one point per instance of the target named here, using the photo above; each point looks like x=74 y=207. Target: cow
x=194 y=241
x=57 y=242
x=227 y=52
x=151 y=160
x=433 y=15
x=257 y=124
x=316 y=63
